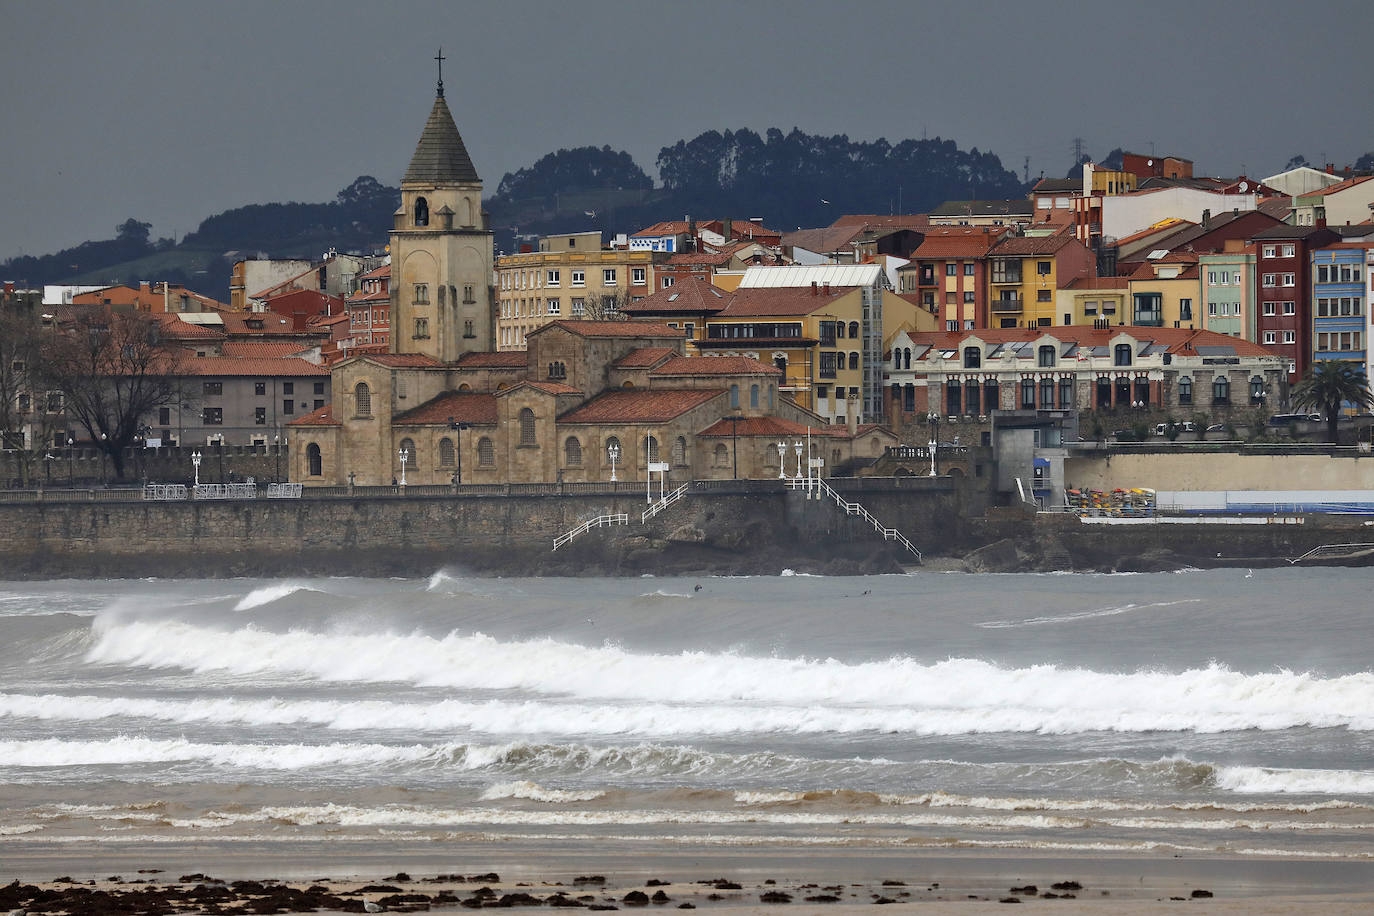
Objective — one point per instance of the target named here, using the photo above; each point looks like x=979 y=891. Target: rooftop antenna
x=1025 y=171
x=440 y=58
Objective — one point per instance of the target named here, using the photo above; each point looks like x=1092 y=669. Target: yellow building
x=1166 y=293
x=1024 y=276
x=1088 y=300
x=570 y=276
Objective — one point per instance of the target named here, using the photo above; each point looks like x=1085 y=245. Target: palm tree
x=1330 y=384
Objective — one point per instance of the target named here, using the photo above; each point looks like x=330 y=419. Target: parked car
x=1217 y=428
x=1283 y=419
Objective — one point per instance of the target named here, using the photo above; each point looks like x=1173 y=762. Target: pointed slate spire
x=440 y=156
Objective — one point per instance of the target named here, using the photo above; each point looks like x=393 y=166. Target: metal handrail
x=663 y=503
x=618 y=518
x=889 y=534
x=1326 y=549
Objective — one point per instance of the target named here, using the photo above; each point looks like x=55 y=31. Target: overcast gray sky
x=172 y=111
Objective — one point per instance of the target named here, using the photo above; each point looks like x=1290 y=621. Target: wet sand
x=448 y=873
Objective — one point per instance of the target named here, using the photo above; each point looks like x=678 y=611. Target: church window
x=650 y=448
x=421 y=328
x=753 y=395
x=421 y=212
x=572 y=451
x=468 y=297
x=408 y=447
x=734 y=395
x=422 y=294
x=467 y=211
x=527 y=437
x=442 y=295
x=680 y=451
x=612 y=445
x=721 y=456
x=467 y=329
x=446 y=459
x=486 y=453
x=314 y=460
x=362 y=400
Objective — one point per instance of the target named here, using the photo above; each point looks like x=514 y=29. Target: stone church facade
x=585 y=401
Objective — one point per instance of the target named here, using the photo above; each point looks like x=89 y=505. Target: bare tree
x=114 y=370
x=607 y=306
x=25 y=415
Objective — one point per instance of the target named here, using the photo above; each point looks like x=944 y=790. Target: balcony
x=1006 y=306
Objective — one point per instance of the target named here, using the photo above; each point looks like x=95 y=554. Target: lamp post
x=276 y=448
x=782 y=461
x=797 y=447
x=458 y=428
x=613 y=452
x=71 y=474
x=734 y=443
x=934 y=441
x=103 y=440
x=195 y=463
x=404 y=455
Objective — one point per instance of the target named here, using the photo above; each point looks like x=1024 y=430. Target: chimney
x=813 y=288
x=727 y=227
x=1206 y=218
x=827 y=287
x=851 y=415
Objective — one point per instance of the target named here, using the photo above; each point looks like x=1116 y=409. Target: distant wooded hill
x=789 y=180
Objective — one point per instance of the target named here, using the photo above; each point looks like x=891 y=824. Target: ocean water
x=1224 y=711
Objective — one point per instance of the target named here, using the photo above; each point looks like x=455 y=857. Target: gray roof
x=1287 y=231
x=984 y=208
x=440 y=156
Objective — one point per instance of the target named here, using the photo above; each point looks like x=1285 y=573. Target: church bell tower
x=441 y=248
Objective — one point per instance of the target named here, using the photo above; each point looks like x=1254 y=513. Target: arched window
x=721 y=456
x=408 y=446
x=854 y=329
x=1185 y=390
x=853 y=360
x=1066 y=393
x=1256 y=390
x=781 y=363
x=839 y=329
x=973 y=358
x=1123 y=355
x=446 y=453
x=650 y=448
x=734 y=395
x=467 y=211
x=1104 y=391
x=680 y=451
x=753 y=395
x=362 y=400
x=612 y=443
x=1027 y=394
x=1046 y=393
x=954 y=397
x=421 y=212
x=991 y=395
x=909 y=397
x=486 y=453
x=572 y=452
x=527 y=439
x=1047 y=356
x=1221 y=390
x=314 y=460
x=1142 y=390
x=906 y=357
x=971 y=400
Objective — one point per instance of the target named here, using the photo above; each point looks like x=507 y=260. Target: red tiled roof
x=322 y=417
x=822 y=241
x=462 y=406
x=376 y=272
x=1169 y=226
x=380 y=295
x=640 y=405
x=874 y=221
x=1025 y=246
x=493 y=359
x=1177 y=340
x=958 y=242
x=612 y=328
x=230 y=365
x=770 y=426
x=176 y=329
x=1345 y=185
x=781 y=301
x=715 y=365
x=237 y=323
x=402 y=360
x=688 y=295
x=547 y=387
x=643 y=358
x=667 y=227
x=1098 y=283
x=261 y=349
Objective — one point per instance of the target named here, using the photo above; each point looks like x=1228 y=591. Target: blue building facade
x=1340 y=305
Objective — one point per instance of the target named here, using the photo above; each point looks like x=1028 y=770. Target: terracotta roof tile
x=643 y=358
x=463 y=406
x=688 y=295
x=612 y=328
x=1028 y=245
x=547 y=387
x=769 y=426
x=781 y=301
x=715 y=365
x=640 y=405
x=176 y=329
x=958 y=242
x=322 y=417
x=261 y=349
x=1177 y=340
x=376 y=272
x=402 y=360
x=229 y=365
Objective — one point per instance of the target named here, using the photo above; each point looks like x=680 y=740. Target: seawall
x=719 y=527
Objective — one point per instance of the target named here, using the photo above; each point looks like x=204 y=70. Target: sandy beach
x=629 y=876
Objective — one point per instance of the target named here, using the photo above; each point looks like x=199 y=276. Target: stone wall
x=87 y=467
x=1281 y=470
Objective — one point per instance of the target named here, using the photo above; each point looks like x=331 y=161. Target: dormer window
x=973 y=357
x=421 y=212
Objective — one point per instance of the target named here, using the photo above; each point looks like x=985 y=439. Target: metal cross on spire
x=440 y=58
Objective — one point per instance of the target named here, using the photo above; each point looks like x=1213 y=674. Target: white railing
x=889 y=534
x=164 y=491
x=618 y=518
x=663 y=503
x=226 y=491
x=284 y=491
x=1333 y=550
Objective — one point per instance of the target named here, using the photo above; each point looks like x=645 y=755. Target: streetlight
x=734 y=442
x=782 y=461
x=103 y=440
x=797 y=446
x=934 y=441
x=276 y=447
x=71 y=477
x=458 y=428
x=404 y=455
x=195 y=463
x=613 y=452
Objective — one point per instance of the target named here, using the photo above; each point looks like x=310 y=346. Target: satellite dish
x=1149 y=162
x=1244 y=186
